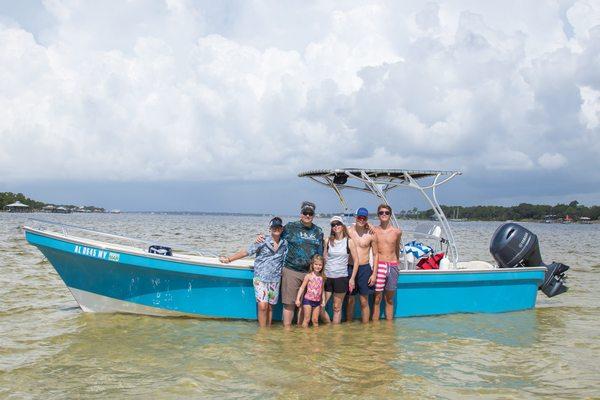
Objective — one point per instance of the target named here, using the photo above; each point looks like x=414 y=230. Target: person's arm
x=321 y=243
x=375 y=251
x=398 y=244
x=323 y=293
x=301 y=291
x=370 y=228
x=325 y=250
x=240 y=254
x=252 y=249
x=354 y=254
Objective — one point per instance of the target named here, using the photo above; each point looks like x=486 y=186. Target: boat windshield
x=380 y=181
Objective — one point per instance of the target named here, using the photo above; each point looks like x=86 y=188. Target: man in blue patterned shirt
x=267 y=269
x=304 y=240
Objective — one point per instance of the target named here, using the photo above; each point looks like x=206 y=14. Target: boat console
x=514 y=246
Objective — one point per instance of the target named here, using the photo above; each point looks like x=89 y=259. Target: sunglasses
x=308 y=213
x=361 y=218
x=384 y=213
x=336 y=224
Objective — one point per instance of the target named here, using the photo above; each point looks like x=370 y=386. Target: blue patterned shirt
x=268 y=262
x=303 y=243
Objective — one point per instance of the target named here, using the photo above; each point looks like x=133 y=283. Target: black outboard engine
x=514 y=246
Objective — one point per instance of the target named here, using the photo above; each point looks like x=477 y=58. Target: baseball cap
x=307 y=206
x=362 y=212
x=336 y=218
x=275 y=223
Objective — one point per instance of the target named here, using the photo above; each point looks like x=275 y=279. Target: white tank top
x=337 y=259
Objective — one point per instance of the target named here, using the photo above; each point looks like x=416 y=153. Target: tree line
x=523 y=211
x=7 y=198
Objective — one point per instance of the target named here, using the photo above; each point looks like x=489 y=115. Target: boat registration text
x=96 y=253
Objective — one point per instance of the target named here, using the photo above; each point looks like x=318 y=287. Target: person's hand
x=297 y=303
x=370 y=228
x=259 y=239
x=351 y=285
x=224 y=260
x=372 y=280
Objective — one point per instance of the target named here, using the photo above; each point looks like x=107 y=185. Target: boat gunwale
x=130 y=250
x=194 y=260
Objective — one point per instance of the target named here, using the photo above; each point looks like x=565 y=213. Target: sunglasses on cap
x=382 y=212
x=334 y=224
x=308 y=213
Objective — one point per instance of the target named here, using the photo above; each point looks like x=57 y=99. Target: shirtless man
x=386 y=266
x=363 y=278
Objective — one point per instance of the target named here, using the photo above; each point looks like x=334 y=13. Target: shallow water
x=49 y=348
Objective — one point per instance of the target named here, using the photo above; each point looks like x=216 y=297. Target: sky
x=217 y=106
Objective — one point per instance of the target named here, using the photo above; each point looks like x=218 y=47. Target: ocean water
x=49 y=348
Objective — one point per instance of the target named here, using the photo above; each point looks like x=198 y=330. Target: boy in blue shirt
x=267 y=269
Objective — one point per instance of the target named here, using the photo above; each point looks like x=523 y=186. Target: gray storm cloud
x=182 y=90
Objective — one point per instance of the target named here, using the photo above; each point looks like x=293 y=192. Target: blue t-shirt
x=268 y=262
x=302 y=243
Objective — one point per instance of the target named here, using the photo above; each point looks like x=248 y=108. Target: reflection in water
x=49 y=348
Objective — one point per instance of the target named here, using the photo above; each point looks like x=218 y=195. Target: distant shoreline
x=372 y=217
x=524 y=212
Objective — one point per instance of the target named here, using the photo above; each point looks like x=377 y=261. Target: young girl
x=313 y=284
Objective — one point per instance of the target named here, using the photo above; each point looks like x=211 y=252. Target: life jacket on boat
x=431 y=262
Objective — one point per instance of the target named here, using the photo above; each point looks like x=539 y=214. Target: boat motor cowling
x=514 y=246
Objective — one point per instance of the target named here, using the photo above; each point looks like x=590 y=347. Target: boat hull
x=104 y=280
x=107 y=279
x=459 y=291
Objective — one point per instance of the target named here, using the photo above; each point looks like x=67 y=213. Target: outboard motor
x=514 y=246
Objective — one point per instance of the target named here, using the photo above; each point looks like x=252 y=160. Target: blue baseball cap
x=362 y=212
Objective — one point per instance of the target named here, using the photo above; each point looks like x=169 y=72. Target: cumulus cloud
x=180 y=90
x=552 y=161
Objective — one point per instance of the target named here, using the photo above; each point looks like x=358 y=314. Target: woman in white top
x=337 y=249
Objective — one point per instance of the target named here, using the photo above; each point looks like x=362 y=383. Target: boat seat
x=474 y=265
x=428 y=230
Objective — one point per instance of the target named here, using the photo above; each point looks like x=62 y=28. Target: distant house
x=48 y=208
x=17 y=207
x=62 y=210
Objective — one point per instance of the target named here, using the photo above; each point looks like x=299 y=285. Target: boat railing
x=143 y=244
x=380 y=181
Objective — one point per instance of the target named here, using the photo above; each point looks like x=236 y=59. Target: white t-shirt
x=337 y=259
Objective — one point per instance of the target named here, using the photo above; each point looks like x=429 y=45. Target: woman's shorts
x=266 y=291
x=311 y=303
x=361 y=282
x=337 y=285
x=291 y=280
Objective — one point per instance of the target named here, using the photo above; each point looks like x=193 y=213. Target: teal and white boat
x=111 y=273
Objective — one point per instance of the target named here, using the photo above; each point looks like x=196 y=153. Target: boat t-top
x=111 y=273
